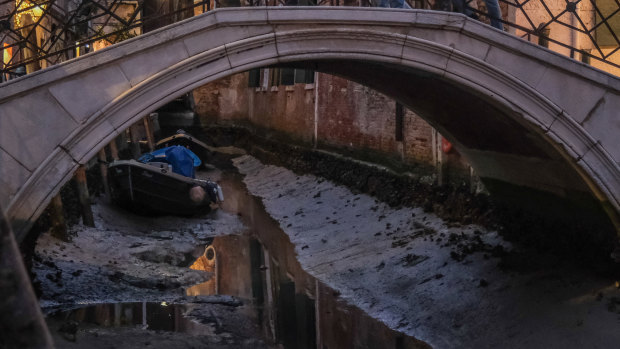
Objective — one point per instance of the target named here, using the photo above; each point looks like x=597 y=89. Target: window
x=304 y=76
x=274 y=77
x=287 y=76
x=274 y=80
x=254 y=78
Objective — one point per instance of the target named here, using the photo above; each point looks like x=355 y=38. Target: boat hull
x=188 y=141
x=148 y=189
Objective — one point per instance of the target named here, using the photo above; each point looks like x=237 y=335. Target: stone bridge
x=530 y=121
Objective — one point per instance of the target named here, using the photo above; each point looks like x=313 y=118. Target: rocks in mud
x=55 y=277
x=69 y=329
x=420 y=230
x=464 y=245
x=613 y=305
x=411 y=259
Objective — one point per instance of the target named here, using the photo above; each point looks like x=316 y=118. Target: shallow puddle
x=145 y=315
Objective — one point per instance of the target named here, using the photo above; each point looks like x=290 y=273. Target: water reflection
x=293 y=308
x=147 y=315
x=207 y=262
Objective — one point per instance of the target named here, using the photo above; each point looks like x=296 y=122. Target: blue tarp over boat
x=183 y=160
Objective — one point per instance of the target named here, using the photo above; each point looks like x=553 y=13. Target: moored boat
x=188 y=141
x=162 y=182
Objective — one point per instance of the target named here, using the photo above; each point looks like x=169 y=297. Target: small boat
x=188 y=141
x=162 y=182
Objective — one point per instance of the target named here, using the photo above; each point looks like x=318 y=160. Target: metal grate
x=35 y=34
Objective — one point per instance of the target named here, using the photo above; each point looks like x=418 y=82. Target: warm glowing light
x=164 y=304
x=26 y=8
x=37 y=11
x=7 y=53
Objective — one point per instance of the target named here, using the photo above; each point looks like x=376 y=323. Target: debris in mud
x=69 y=329
x=613 y=305
x=412 y=259
x=125 y=258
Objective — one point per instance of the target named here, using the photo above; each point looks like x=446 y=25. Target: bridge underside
x=492 y=95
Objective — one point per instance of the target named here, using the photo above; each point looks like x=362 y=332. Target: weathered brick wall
x=417 y=135
x=288 y=109
x=351 y=117
x=355 y=116
x=224 y=100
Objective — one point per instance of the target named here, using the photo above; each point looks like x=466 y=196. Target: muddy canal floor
x=445 y=284
x=123 y=284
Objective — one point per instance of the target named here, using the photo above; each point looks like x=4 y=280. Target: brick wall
x=224 y=100
x=288 y=109
x=355 y=116
x=351 y=117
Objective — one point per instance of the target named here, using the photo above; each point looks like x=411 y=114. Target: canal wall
x=334 y=114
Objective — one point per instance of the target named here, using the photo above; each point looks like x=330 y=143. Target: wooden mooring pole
x=58 y=224
x=148 y=128
x=135 y=141
x=82 y=187
x=103 y=166
x=21 y=319
x=114 y=150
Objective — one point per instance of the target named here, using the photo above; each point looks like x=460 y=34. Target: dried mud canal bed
x=298 y=261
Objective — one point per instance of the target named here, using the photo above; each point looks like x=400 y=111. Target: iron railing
x=39 y=33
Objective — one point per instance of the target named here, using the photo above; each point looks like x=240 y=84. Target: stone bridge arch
x=522 y=115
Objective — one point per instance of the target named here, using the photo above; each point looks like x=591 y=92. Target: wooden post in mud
x=21 y=320
x=58 y=225
x=148 y=127
x=103 y=165
x=82 y=187
x=135 y=141
x=114 y=150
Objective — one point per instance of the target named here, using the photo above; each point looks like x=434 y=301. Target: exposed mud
x=450 y=285
x=410 y=258
x=128 y=258
x=88 y=285
x=576 y=233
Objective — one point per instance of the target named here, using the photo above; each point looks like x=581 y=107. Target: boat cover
x=182 y=159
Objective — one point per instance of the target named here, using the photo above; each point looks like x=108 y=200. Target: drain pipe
x=316 y=108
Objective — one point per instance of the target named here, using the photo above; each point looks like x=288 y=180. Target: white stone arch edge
x=595 y=165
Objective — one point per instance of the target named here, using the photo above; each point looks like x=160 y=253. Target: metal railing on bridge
x=35 y=34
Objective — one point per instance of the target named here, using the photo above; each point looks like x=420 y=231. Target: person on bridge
x=493 y=11
x=394 y=4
